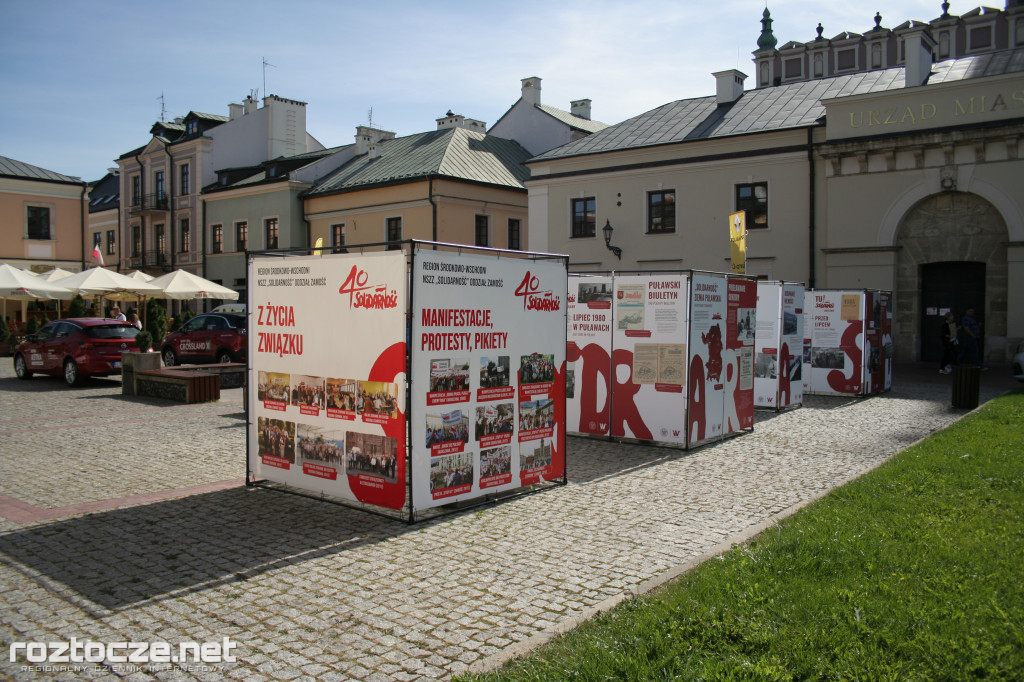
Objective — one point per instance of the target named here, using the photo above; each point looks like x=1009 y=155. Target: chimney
x=729 y=86
x=919 y=48
x=581 y=108
x=367 y=140
x=531 y=90
x=250 y=105
x=453 y=120
x=234 y=111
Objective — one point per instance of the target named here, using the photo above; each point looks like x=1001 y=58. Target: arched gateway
x=951 y=255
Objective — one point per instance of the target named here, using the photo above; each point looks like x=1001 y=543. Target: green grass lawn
x=913 y=572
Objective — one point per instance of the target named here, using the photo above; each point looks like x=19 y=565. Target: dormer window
x=846 y=60
x=191 y=128
x=980 y=38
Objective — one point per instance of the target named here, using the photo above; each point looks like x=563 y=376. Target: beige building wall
x=365 y=213
x=67 y=210
x=704 y=177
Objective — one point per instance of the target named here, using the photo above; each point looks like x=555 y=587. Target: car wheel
x=224 y=357
x=21 y=367
x=170 y=359
x=71 y=374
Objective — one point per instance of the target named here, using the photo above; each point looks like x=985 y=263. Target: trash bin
x=966 y=386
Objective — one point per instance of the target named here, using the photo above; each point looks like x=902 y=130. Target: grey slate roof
x=105 y=193
x=454 y=153
x=20 y=169
x=793 y=105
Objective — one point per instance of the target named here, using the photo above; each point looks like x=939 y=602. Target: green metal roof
x=454 y=153
x=20 y=169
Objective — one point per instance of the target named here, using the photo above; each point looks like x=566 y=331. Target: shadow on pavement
x=120 y=558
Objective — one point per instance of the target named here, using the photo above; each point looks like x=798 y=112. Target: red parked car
x=209 y=337
x=76 y=349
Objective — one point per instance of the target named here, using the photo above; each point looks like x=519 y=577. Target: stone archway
x=950 y=227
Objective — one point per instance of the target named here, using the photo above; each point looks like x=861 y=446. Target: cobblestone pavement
x=125 y=519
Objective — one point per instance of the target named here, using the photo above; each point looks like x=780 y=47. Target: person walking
x=950 y=343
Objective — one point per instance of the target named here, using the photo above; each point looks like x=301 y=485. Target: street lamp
x=607 y=230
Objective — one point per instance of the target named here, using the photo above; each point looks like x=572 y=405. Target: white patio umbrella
x=140 y=275
x=20 y=285
x=182 y=285
x=55 y=274
x=107 y=284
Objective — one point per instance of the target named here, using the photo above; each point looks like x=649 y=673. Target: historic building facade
x=890 y=167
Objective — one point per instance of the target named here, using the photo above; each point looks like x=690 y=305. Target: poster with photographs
x=708 y=357
x=791 y=383
x=879 y=341
x=779 y=358
x=487 y=358
x=327 y=400
x=589 y=355
x=649 y=371
x=741 y=328
x=838 y=351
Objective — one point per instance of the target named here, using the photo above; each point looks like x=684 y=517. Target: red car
x=210 y=337
x=76 y=349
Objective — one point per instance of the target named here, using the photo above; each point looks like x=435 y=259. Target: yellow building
x=454 y=184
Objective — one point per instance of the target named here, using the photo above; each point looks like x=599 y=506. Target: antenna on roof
x=369 y=118
x=265 y=65
x=163 y=108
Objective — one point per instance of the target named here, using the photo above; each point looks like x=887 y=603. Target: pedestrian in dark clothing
x=950 y=343
x=970 y=339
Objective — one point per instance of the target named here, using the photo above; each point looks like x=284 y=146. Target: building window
x=158 y=185
x=186 y=236
x=661 y=211
x=37 y=222
x=584 y=217
x=515 y=238
x=482 y=231
x=136 y=190
x=338 y=238
x=111 y=235
x=271 y=232
x=846 y=60
x=979 y=38
x=136 y=241
x=161 y=239
x=97 y=239
x=393 y=227
x=241 y=235
x=218 y=239
x=753 y=198
x=794 y=68
x=191 y=128
x=185 y=175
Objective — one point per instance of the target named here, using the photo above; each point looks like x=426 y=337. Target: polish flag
x=97 y=255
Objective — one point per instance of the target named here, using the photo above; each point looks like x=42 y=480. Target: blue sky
x=81 y=82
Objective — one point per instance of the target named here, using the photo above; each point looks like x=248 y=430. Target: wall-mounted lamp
x=607 y=230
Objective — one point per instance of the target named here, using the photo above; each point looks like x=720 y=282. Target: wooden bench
x=175 y=383
x=232 y=374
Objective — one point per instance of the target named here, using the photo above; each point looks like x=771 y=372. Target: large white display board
x=650 y=357
x=778 y=381
x=589 y=355
x=488 y=339
x=328 y=360
x=848 y=341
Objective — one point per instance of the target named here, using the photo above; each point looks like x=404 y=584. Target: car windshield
x=237 y=321
x=111 y=331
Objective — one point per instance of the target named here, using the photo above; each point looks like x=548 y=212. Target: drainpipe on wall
x=433 y=209
x=170 y=199
x=81 y=210
x=811 y=208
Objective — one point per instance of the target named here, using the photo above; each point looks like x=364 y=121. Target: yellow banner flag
x=318 y=247
x=738 y=242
